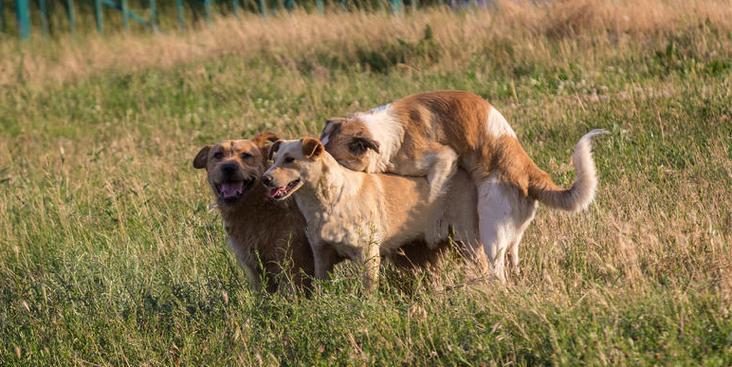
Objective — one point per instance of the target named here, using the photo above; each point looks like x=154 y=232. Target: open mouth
x=232 y=191
x=283 y=192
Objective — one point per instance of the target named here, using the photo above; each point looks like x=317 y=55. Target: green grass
x=109 y=254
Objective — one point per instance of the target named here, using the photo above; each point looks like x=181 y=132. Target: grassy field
x=109 y=254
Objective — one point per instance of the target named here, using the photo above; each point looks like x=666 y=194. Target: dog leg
x=496 y=222
x=371 y=264
x=324 y=259
x=443 y=162
x=525 y=221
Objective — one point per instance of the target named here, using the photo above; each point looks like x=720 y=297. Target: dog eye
x=218 y=155
x=245 y=155
x=289 y=160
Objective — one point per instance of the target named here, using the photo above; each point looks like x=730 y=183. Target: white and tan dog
x=361 y=216
x=430 y=134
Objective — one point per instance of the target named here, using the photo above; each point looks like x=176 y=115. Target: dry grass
x=618 y=24
x=109 y=256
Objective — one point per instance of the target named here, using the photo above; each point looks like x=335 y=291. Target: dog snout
x=267 y=180
x=229 y=168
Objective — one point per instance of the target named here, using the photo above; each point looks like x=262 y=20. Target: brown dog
x=267 y=237
x=431 y=134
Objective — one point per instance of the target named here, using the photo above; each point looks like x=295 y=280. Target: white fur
x=504 y=214
x=582 y=192
x=386 y=130
x=498 y=126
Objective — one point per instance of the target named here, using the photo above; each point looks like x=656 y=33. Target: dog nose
x=229 y=168
x=267 y=180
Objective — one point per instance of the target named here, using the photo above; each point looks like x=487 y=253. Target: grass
x=110 y=256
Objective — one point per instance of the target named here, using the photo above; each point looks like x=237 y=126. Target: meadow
x=110 y=254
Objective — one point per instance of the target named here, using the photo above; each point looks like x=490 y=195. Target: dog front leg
x=443 y=161
x=371 y=264
x=324 y=259
x=442 y=165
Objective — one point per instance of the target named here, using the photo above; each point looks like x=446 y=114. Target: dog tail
x=580 y=195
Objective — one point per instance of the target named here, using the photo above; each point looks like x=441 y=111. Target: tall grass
x=110 y=256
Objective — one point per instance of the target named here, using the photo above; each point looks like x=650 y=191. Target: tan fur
x=446 y=118
x=266 y=236
x=429 y=134
x=362 y=216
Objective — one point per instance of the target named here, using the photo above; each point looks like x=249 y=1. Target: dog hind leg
x=525 y=218
x=496 y=213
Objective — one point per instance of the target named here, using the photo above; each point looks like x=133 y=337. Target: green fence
x=23 y=17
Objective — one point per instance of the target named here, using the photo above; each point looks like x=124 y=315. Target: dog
x=363 y=216
x=267 y=237
x=431 y=134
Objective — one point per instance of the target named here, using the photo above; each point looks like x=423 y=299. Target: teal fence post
x=71 y=15
x=235 y=7
x=289 y=4
x=43 y=8
x=262 y=7
x=2 y=17
x=154 y=15
x=320 y=6
x=125 y=15
x=99 y=15
x=181 y=14
x=22 y=14
x=207 y=9
x=396 y=6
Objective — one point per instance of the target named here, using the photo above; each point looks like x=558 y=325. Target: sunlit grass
x=109 y=254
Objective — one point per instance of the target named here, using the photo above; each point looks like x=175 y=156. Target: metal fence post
x=320 y=6
x=22 y=14
x=262 y=7
x=2 y=16
x=43 y=8
x=207 y=9
x=71 y=14
x=154 y=15
x=125 y=15
x=396 y=6
x=99 y=15
x=181 y=14
x=235 y=7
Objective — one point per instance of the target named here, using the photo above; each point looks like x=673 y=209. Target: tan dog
x=361 y=216
x=266 y=236
x=429 y=134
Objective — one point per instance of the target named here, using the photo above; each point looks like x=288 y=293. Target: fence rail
x=33 y=15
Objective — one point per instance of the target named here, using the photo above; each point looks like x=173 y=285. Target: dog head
x=234 y=166
x=350 y=142
x=296 y=163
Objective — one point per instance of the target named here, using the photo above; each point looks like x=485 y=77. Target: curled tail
x=580 y=195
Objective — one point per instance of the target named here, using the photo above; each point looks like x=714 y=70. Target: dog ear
x=201 y=158
x=312 y=148
x=264 y=138
x=360 y=144
x=273 y=149
x=332 y=125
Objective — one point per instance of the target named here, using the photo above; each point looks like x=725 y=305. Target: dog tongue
x=231 y=189
x=277 y=192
